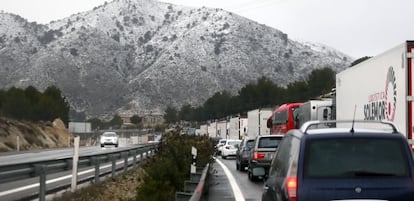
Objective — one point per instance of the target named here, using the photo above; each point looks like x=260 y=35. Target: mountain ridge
x=139 y=55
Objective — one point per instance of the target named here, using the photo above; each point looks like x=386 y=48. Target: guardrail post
x=41 y=170
x=74 y=183
x=113 y=160
x=18 y=143
x=134 y=158
x=95 y=161
x=125 y=156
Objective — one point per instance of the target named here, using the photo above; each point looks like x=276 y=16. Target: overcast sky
x=356 y=27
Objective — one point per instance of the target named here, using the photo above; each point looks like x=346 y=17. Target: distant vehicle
x=109 y=138
x=230 y=148
x=256 y=122
x=261 y=155
x=282 y=119
x=243 y=153
x=345 y=163
x=380 y=88
x=313 y=110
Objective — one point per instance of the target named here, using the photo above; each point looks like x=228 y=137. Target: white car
x=220 y=145
x=229 y=149
x=109 y=138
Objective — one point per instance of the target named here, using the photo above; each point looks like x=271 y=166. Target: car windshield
x=355 y=158
x=231 y=142
x=269 y=142
x=109 y=134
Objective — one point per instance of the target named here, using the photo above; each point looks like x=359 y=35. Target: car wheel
x=242 y=167
x=116 y=145
x=102 y=145
x=223 y=157
x=251 y=177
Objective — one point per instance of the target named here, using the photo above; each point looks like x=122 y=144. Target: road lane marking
x=234 y=186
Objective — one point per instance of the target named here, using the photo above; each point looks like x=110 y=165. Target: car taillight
x=292 y=184
x=258 y=155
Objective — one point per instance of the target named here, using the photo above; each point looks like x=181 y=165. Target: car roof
x=277 y=136
x=345 y=130
x=233 y=140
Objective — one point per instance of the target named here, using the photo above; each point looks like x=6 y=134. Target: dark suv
x=325 y=164
x=243 y=153
x=261 y=155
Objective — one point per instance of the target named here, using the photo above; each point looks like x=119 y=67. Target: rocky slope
x=40 y=135
x=138 y=55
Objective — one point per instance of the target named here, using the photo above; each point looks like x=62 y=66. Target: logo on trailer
x=390 y=95
x=382 y=105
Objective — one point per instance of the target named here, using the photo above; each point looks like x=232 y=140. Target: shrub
x=166 y=172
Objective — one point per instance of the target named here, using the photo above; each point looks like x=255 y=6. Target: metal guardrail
x=42 y=168
x=199 y=191
x=195 y=188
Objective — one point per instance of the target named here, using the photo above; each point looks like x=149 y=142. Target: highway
x=16 y=190
x=241 y=189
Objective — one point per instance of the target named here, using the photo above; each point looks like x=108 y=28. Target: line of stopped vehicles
x=350 y=150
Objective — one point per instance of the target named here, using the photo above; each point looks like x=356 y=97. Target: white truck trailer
x=234 y=128
x=380 y=88
x=222 y=129
x=313 y=110
x=257 y=122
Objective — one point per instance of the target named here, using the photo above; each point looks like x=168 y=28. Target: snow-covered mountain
x=139 y=55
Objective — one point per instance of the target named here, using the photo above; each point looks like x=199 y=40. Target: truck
x=313 y=110
x=237 y=127
x=281 y=120
x=256 y=122
x=380 y=88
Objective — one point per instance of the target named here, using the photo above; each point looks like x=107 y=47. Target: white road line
x=236 y=190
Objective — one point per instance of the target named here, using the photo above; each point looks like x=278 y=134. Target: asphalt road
x=15 y=190
x=251 y=191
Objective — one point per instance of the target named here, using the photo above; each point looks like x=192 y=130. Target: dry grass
x=122 y=189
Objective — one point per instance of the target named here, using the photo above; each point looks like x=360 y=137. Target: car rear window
x=250 y=143
x=269 y=142
x=355 y=157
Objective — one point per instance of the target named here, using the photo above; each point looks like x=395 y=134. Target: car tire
x=116 y=145
x=223 y=157
x=242 y=167
x=251 y=177
x=102 y=145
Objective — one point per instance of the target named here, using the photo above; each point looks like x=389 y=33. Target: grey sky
x=355 y=27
